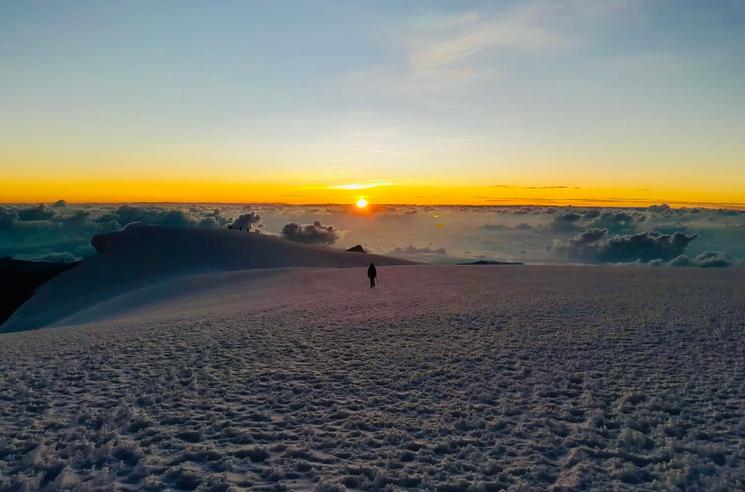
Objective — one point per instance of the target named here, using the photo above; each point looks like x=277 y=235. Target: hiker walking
x=372 y=273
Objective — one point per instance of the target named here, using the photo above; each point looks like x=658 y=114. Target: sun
x=361 y=203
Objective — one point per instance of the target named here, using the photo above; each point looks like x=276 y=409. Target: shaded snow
x=456 y=378
x=140 y=255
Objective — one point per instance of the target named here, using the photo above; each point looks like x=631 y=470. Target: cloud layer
x=530 y=234
x=707 y=259
x=412 y=250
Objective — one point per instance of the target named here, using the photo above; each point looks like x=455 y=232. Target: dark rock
x=19 y=279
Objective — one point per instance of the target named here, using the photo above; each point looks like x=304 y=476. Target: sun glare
x=361 y=203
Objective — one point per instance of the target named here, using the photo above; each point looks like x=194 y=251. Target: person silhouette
x=372 y=273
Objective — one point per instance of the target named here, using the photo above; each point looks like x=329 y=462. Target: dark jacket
x=371 y=271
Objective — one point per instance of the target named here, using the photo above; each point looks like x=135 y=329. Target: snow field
x=445 y=378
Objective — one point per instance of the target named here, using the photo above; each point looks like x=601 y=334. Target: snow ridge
x=140 y=255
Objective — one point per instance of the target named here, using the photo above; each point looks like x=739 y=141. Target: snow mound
x=140 y=255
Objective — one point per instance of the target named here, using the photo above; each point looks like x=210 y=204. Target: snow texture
x=443 y=377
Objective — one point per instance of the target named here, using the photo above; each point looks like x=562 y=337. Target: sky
x=538 y=102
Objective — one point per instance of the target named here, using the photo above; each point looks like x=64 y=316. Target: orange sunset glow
x=129 y=190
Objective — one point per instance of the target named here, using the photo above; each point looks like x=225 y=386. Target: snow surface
x=140 y=255
x=449 y=378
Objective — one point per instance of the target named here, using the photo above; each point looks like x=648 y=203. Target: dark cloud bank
x=616 y=236
x=246 y=221
x=657 y=235
x=315 y=233
x=597 y=246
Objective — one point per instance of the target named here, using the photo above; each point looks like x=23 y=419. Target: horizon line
x=589 y=203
